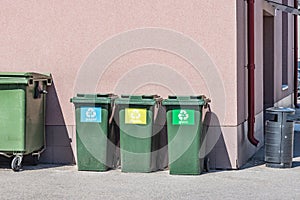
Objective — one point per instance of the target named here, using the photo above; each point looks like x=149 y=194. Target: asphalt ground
x=253 y=181
x=65 y=182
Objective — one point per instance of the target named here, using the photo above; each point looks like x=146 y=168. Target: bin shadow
x=159 y=147
x=295 y=164
x=296 y=149
x=213 y=147
x=297 y=144
x=27 y=164
x=4 y=162
x=58 y=143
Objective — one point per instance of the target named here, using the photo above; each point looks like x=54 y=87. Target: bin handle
x=38 y=92
x=206 y=102
x=159 y=100
x=44 y=92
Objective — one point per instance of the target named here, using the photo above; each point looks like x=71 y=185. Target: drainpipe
x=251 y=67
x=296 y=56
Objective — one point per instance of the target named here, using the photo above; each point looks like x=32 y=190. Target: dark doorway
x=268 y=60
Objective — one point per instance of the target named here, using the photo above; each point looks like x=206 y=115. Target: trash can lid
x=185 y=100
x=93 y=98
x=147 y=100
x=23 y=77
x=280 y=109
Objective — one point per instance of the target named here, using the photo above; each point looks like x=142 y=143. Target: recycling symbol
x=183 y=115
x=135 y=114
x=90 y=113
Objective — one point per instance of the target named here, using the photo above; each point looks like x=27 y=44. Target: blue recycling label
x=90 y=114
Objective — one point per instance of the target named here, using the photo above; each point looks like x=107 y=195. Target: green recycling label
x=183 y=117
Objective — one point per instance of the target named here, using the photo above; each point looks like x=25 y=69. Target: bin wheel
x=16 y=163
x=206 y=165
x=35 y=159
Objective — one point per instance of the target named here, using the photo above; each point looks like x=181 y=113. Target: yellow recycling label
x=135 y=116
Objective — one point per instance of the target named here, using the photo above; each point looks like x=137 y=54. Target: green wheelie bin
x=136 y=121
x=22 y=113
x=94 y=138
x=184 y=130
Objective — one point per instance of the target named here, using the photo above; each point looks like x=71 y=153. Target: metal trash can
x=95 y=140
x=22 y=111
x=184 y=124
x=279 y=137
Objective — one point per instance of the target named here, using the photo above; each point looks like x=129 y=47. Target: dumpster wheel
x=35 y=159
x=16 y=163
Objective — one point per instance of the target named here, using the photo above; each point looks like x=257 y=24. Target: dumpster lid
x=94 y=98
x=199 y=100
x=138 y=99
x=23 y=77
x=280 y=109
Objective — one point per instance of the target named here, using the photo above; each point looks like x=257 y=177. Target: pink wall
x=244 y=149
x=58 y=36
x=242 y=56
x=241 y=18
x=62 y=37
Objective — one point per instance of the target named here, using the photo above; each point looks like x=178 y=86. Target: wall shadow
x=256 y=160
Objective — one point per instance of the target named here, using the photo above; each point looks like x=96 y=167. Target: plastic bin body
x=95 y=149
x=279 y=137
x=22 y=112
x=184 y=128
x=136 y=129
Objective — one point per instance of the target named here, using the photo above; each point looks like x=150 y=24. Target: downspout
x=251 y=67
x=296 y=56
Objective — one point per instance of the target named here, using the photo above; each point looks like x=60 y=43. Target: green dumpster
x=184 y=126
x=22 y=113
x=136 y=120
x=94 y=139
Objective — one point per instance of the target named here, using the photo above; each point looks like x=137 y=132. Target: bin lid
x=93 y=98
x=23 y=77
x=280 y=109
x=185 y=100
x=147 y=100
